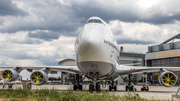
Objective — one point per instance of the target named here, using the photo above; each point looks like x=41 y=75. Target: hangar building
x=166 y=54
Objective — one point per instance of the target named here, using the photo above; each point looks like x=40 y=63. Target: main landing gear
x=93 y=87
x=112 y=86
x=77 y=86
x=130 y=85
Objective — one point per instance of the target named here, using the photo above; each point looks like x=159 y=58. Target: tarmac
x=155 y=92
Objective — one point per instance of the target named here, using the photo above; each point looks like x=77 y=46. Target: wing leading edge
x=123 y=70
x=69 y=69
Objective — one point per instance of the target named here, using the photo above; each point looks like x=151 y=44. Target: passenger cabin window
x=94 y=21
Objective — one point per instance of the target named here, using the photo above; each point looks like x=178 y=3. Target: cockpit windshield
x=94 y=21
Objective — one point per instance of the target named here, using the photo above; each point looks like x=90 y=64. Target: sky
x=43 y=32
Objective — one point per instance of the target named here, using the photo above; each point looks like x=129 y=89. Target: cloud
x=43 y=15
x=7 y=8
x=45 y=35
x=65 y=17
x=46 y=31
x=129 y=10
x=15 y=49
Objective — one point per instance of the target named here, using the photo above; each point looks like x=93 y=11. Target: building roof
x=172 y=38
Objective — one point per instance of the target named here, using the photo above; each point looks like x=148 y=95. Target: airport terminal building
x=166 y=54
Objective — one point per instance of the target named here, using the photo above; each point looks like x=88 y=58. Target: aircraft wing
x=123 y=70
x=69 y=69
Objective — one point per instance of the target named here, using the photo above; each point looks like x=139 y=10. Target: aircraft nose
x=90 y=43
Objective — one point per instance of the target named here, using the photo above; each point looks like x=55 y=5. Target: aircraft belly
x=102 y=68
x=101 y=55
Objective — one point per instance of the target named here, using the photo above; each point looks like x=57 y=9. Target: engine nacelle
x=39 y=77
x=167 y=79
x=9 y=75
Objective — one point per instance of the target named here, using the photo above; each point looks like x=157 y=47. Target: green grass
x=55 y=95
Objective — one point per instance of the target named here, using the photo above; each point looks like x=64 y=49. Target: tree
x=141 y=80
x=134 y=80
x=52 y=78
x=59 y=78
x=126 y=79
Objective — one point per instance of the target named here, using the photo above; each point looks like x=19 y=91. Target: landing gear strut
x=112 y=86
x=130 y=85
x=95 y=84
x=77 y=86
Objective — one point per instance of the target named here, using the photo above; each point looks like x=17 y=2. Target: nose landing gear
x=95 y=84
x=97 y=87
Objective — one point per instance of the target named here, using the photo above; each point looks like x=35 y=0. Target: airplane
x=97 y=57
x=7 y=85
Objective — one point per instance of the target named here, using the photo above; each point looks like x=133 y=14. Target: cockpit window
x=90 y=21
x=94 y=21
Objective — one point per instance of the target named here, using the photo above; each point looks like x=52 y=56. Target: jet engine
x=9 y=75
x=167 y=79
x=39 y=77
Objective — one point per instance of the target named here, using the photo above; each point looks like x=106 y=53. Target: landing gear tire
x=80 y=87
x=75 y=87
x=115 y=88
x=132 y=88
x=110 y=88
x=98 y=88
x=91 y=88
x=127 y=88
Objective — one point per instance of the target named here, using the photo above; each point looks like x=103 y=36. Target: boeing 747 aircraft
x=97 y=58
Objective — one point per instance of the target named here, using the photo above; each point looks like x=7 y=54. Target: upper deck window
x=94 y=21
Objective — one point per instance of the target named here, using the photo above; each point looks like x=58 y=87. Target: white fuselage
x=96 y=49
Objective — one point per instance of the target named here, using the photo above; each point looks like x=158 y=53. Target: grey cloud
x=17 y=55
x=161 y=18
x=65 y=20
x=8 y=8
x=84 y=12
x=47 y=36
x=26 y=41
x=127 y=13
x=1 y=21
x=49 y=16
